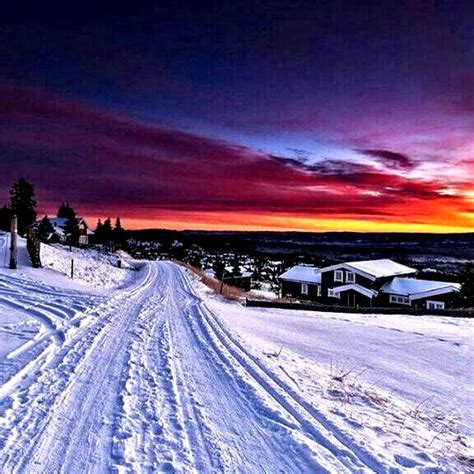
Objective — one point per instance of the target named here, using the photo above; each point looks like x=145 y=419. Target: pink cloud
x=108 y=163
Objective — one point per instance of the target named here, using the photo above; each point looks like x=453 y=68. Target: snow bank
x=97 y=269
x=94 y=270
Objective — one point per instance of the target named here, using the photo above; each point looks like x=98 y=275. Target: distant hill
x=336 y=244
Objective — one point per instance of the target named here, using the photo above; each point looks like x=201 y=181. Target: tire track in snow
x=55 y=318
x=93 y=389
x=160 y=429
x=150 y=436
x=45 y=414
x=312 y=422
x=237 y=430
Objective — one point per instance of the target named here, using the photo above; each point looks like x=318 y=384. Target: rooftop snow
x=411 y=286
x=302 y=273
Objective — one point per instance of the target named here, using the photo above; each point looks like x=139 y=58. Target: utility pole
x=13 y=243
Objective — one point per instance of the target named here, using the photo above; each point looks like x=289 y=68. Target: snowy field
x=144 y=370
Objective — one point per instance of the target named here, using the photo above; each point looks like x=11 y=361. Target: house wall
x=352 y=298
x=327 y=280
x=82 y=229
x=293 y=289
x=449 y=299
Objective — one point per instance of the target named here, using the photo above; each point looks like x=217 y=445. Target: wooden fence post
x=72 y=268
x=13 y=243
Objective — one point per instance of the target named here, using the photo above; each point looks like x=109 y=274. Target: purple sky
x=314 y=115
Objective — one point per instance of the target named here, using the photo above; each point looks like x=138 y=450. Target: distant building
x=243 y=281
x=301 y=281
x=59 y=225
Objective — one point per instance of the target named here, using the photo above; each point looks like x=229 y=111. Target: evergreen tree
x=5 y=218
x=71 y=229
x=62 y=211
x=98 y=233
x=23 y=204
x=119 y=232
x=45 y=229
x=65 y=211
x=107 y=231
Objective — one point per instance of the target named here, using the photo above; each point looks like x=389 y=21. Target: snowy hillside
x=149 y=372
x=91 y=267
x=93 y=270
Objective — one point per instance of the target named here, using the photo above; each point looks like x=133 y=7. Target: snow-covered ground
x=418 y=359
x=400 y=384
x=152 y=373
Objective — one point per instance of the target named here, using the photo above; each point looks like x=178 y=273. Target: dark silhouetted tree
x=98 y=233
x=107 y=232
x=71 y=229
x=119 y=233
x=45 y=229
x=62 y=211
x=65 y=211
x=23 y=204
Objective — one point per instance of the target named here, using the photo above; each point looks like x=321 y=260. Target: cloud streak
x=108 y=163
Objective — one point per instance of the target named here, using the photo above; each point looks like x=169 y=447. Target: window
x=399 y=299
x=338 y=275
x=350 y=277
x=435 y=304
x=333 y=294
x=304 y=288
x=319 y=290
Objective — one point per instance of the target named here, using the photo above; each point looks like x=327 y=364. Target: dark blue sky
x=309 y=81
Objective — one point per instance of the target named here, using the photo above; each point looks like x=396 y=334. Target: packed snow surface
x=158 y=375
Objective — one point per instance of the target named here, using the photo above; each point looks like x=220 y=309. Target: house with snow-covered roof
x=59 y=226
x=418 y=293
x=380 y=282
x=301 y=281
x=358 y=283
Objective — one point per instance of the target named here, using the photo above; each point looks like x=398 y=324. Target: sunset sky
x=243 y=115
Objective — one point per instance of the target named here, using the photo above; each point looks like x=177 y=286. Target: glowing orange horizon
x=258 y=222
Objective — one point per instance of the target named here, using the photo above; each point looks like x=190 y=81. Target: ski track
x=148 y=379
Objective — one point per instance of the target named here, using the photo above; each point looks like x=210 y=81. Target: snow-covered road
x=149 y=379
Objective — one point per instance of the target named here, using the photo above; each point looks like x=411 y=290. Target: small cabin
x=302 y=282
x=59 y=226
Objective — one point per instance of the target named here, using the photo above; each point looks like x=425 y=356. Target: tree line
x=23 y=205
